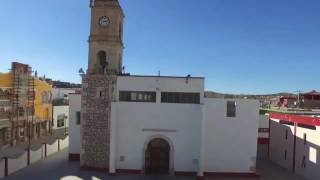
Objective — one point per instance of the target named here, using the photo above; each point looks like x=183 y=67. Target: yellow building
x=43 y=100
x=5 y=80
x=20 y=94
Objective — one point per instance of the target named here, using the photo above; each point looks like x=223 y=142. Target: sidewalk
x=18 y=149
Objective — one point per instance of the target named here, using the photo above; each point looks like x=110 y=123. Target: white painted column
x=113 y=139
x=200 y=173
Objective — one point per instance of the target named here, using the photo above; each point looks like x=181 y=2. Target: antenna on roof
x=159 y=73
x=81 y=71
x=187 y=79
x=91 y=3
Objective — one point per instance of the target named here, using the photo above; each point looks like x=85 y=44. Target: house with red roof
x=294 y=143
x=310 y=100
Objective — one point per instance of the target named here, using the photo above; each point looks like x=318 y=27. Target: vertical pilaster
x=113 y=139
x=200 y=173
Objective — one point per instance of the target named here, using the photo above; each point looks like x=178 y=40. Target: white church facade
x=124 y=123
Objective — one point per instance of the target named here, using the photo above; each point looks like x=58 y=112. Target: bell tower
x=99 y=85
x=105 y=40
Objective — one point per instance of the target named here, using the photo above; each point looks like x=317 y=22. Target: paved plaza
x=57 y=167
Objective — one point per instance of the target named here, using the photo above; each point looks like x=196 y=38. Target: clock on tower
x=105 y=41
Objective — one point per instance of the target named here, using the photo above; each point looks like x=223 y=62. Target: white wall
x=64 y=143
x=74 y=129
x=36 y=155
x=231 y=143
x=158 y=84
x=52 y=148
x=17 y=164
x=60 y=110
x=311 y=150
x=134 y=118
x=278 y=144
x=58 y=93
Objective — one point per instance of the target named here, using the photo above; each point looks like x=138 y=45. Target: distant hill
x=212 y=94
x=61 y=84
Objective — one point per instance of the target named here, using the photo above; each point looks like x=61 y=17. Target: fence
x=31 y=155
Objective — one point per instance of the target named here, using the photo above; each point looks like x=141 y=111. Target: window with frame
x=60 y=120
x=231 y=109
x=180 y=97
x=78 y=118
x=137 y=96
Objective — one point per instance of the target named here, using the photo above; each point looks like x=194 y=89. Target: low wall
x=18 y=163
x=52 y=148
x=36 y=155
x=64 y=143
x=30 y=156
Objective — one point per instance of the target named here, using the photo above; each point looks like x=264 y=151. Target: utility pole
x=299 y=92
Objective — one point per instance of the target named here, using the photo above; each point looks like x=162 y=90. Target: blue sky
x=245 y=46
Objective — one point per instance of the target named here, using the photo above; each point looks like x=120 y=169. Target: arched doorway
x=157 y=157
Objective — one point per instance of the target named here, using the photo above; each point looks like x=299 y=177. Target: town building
x=60 y=105
x=310 y=100
x=25 y=105
x=60 y=96
x=288 y=101
x=295 y=143
x=124 y=123
x=60 y=119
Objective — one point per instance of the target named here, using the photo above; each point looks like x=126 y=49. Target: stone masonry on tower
x=99 y=84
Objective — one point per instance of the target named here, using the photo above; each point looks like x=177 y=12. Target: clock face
x=104 y=21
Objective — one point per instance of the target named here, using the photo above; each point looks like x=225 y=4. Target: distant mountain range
x=212 y=94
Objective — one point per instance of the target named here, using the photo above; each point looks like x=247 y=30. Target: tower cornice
x=103 y=3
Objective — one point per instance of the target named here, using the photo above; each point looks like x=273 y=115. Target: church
x=122 y=123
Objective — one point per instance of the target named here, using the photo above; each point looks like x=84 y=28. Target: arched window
x=102 y=60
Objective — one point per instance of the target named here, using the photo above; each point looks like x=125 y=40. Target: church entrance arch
x=158 y=156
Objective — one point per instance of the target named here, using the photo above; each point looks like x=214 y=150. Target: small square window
x=121 y=158
x=60 y=120
x=133 y=96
